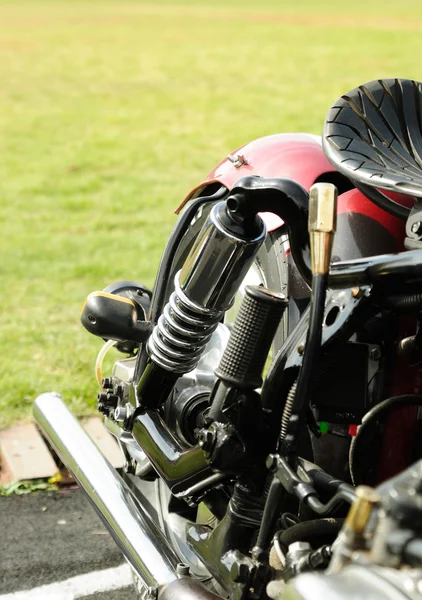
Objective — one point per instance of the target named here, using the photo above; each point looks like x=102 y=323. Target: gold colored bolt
x=360 y=511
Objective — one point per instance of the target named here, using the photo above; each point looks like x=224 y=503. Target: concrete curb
x=24 y=455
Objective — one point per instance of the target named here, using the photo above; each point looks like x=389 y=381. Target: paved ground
x=125 y=594
x=52 y=537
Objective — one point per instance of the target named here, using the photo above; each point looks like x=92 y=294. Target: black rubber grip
x=250 y=340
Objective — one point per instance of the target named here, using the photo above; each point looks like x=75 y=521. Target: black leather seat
x=373 y=135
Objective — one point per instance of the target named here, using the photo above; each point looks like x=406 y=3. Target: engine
x=377 y=554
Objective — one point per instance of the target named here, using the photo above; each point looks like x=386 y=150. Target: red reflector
x=353 y=429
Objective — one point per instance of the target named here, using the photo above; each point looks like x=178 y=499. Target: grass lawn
x=111 y=111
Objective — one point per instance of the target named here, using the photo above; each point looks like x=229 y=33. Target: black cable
x=368 y=423
x=313 y=339
x=176 y=236
x=284 y=198
x=344 y=494
x=288 y=520
x=383 y=201
x=217 y=399
x=310 y=357
x=163 y=278
x=275 y=497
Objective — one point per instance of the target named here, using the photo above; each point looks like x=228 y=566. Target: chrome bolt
x=272 y=462
x=206 y=440
x=375 y=354
x=120 y=414
x=238 y=160
x=182 y=570
x=416 y=227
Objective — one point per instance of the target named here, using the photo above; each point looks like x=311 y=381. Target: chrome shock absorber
x=181 y=333
x=204 y=289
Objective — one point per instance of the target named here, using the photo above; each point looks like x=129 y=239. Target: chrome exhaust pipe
x=138 y=537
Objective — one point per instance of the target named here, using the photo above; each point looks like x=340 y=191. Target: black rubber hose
x=368 y=423
x=410 y=302
x=317 y=532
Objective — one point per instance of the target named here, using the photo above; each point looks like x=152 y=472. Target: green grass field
x=112 y=111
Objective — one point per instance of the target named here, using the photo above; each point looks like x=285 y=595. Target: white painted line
x=80 y=586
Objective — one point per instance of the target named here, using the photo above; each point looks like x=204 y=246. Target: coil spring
x=287 y=412
x=181 y=333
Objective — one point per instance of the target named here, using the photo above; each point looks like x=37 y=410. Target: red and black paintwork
x=299 y=156
x=363 y=230
x=296 y=156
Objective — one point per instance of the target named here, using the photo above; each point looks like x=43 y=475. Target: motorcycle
x=268 y=407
